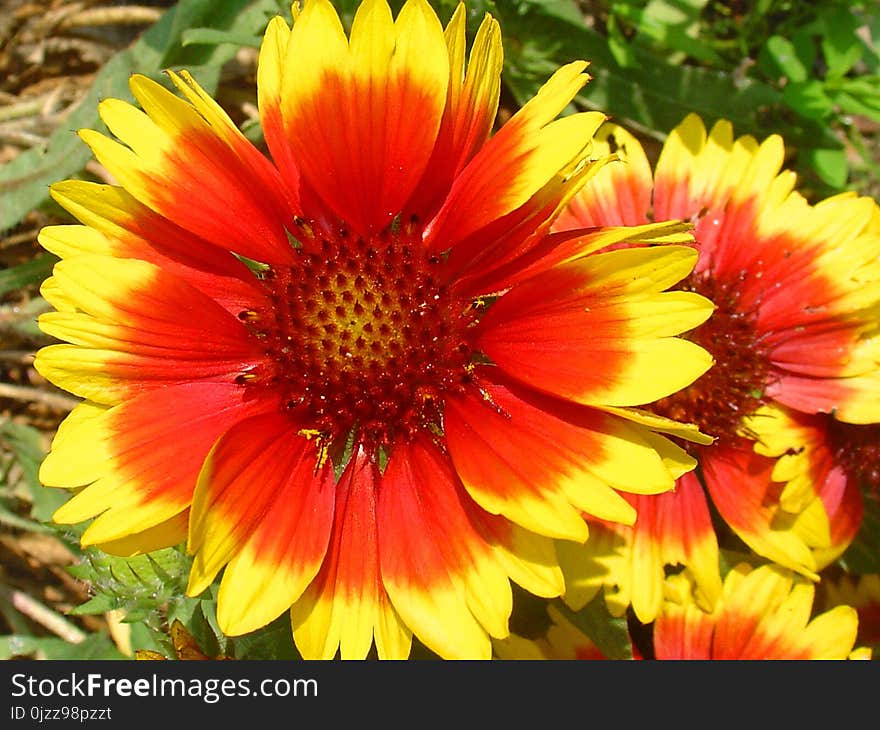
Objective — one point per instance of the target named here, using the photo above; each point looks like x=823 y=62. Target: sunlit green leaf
x=830 y=165
x=609 y=634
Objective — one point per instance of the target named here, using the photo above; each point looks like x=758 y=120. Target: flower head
x=360 y=378
x=764 y=613
x=794 y=335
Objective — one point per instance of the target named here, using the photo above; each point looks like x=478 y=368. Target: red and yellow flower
x=797 y=363
x=562 y=641
x=763 y=613
x=862 y=592
x=361 y=378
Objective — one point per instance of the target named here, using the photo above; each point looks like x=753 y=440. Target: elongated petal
x=128 y=334
x=140 y=460
x=346 y=603
x=583 y=330
x=361 y=117
x=263 y=505
x=169 y=152
x=620 y=193
x=118 y=225
x=527 y=154
x=580 y=457
x=741 y=486
x=471 y=105
x=672 y=529
x=441 y=575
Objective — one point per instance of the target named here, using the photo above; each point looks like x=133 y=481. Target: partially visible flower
x=863 y=594
x=796 y=288
x=819 y=471
x=763 y=613
x=362 y=379
x=562 y=641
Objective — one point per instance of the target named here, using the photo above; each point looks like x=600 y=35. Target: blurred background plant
x=809 y=71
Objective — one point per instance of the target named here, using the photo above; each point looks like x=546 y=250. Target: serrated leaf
x=608 y=633
x=137 y=586
x=101 y=603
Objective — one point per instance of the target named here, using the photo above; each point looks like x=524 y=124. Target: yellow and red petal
x=620 y=193
x=263 y=508
x=815 y=484
x=170 y=532
x=471 y=105
x=671 y=529
x=530 y=153
x=175 y=152
x=129 y=335
x=765 y=613
x=442 y=576
x=115 y=224
x=139 y=461
x=346 y=604
x=361 y=117
x=741 y=486
x=600 y=330
x=510 y=260
x=682 y=629
x=580 y=456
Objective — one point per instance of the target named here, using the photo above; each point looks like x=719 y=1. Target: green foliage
x=796 y=69
x=94 y=646
x=863 y=555
x=26 y=274
x=138 y=586
x=20 y=458
x=607 y=632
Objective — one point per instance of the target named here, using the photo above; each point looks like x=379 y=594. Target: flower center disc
x=857 y=449
x=733 y=388
x=363 y=337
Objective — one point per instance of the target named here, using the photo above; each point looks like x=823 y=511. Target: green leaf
x=94 y=646
x=211 y=37
x=609 y=634
x=841 y=45
x=23 y=442
x=862 y=557
x=102 y=603
x=779 y=58
x=673 y=26
x=857 y=105
x=808 y=99
x=26 y=274
x=653 y=95
x=137 y=585
x=830 y=165
x=274 y=641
